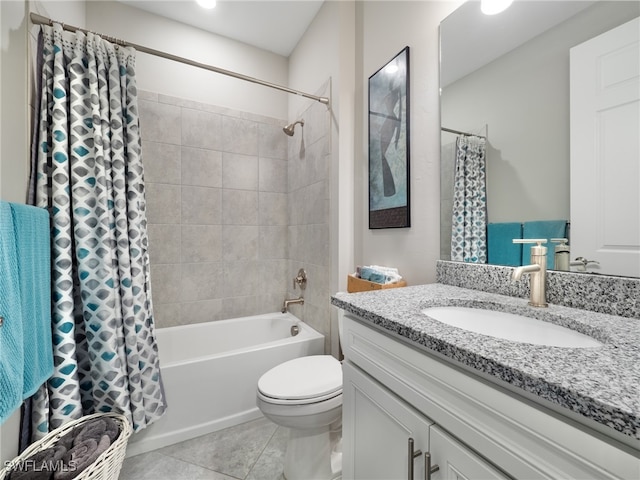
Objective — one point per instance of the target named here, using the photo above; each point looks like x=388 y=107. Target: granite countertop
x=601 y=383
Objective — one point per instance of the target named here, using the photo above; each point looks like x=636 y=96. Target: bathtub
x=210 y=372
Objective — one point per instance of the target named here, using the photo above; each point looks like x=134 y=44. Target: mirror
x=506 y=77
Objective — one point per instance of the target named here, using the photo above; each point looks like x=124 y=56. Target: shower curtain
x=469 y=219
x=88 y=174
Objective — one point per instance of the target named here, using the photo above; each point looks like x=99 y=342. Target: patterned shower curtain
x=88 y=173
x=469 y=219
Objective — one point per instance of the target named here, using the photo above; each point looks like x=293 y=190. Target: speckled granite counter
x=601 y=384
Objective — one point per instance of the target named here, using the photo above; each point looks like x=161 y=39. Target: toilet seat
x=303 y=380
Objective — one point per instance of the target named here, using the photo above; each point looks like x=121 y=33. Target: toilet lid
x=303 y=378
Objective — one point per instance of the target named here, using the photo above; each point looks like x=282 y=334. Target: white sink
x=509 y=326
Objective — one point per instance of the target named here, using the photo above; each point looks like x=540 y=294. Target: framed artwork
x=389 y=144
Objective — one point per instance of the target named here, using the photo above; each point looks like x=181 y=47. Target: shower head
x=289 y=128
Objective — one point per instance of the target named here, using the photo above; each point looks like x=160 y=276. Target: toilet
x=305 y=395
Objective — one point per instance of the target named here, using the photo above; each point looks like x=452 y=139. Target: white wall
x=383 y=29
x=13 y=145
x=14 y=120
x=168 y=77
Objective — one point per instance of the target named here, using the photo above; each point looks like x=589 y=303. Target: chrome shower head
x=289 y=128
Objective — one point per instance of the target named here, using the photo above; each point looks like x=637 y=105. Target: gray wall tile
x=165 y=283
x=235 y=208
x=239 y=242
x=273 y=208
x=201 y=167
x=201 y=311
x=163 y=203
x=273 y=242
x=272 y=175
x=239 y=172
x=201 y=129
x=161 y=162
x=240 y=207
x=201 y=243
x=159 y=122
x=201 y=205
x=201 y=281
x=241 y=278
x=272 y=141
x=239 y=135
x=164 y=243
x=166 y=315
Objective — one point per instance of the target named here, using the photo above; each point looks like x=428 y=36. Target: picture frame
x=389 y=205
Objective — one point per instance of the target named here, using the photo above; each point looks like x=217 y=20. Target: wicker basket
x=106 y=467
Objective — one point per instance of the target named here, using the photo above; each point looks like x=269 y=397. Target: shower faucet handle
x=300 y=279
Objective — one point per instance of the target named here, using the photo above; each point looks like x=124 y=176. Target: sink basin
x=509 y=326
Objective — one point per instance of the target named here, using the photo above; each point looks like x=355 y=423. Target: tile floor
x=250 y=451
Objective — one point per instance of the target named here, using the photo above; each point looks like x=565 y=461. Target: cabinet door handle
x=428 y=469
x=412 y=455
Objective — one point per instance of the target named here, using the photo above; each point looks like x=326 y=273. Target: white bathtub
x=210 y=372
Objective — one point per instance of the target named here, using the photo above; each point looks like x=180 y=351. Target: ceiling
x=493 y=36
x=273 y=25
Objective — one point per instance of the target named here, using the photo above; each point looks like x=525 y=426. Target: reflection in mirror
x=506 y=78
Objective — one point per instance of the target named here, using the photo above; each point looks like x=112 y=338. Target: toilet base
x=313 y=454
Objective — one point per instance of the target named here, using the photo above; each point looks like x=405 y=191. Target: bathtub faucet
x=285 y=305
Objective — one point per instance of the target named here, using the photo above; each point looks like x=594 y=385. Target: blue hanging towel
x=543 y=229
x=11 y=334
x=501 y=249
x=33 y=245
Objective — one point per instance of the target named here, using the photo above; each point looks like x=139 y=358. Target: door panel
x=605 y=150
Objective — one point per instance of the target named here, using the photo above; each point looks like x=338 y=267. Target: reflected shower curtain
x=469 y=219
x=88 y=173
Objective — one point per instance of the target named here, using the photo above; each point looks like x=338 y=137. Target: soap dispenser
x=561 y=257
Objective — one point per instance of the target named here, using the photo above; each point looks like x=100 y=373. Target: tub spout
x=285 y=305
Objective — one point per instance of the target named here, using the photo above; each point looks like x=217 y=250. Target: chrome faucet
x=285 y=305
x=537 y=271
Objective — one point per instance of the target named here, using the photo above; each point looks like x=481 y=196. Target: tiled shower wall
x=216 y=185
x=235 y=208
x=309 y=185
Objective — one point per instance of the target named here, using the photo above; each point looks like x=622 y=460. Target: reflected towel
x=32 y=234
x=500 y=246
x=11 y=333
x=543 y=229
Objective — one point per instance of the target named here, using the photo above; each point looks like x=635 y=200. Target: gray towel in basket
x=40 y=465
x=96 y=429
x=81 y=456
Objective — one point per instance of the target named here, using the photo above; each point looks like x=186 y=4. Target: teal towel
x=500 y=247
x=11 y=334
x=543 y=229
x=32 y=234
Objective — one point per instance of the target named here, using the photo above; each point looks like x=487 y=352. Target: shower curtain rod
x=450 y=130
x=40 y=20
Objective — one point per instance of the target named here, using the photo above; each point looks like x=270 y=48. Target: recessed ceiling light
x=491 y=7
x=208 y=4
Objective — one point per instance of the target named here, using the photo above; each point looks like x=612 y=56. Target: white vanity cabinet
x=384 y=437
x=472 y=428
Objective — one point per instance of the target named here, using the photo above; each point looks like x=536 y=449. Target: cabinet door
x=457 y=462
x=376 y=430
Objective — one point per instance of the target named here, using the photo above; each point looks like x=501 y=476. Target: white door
x=376 y=430
x=605 y=150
